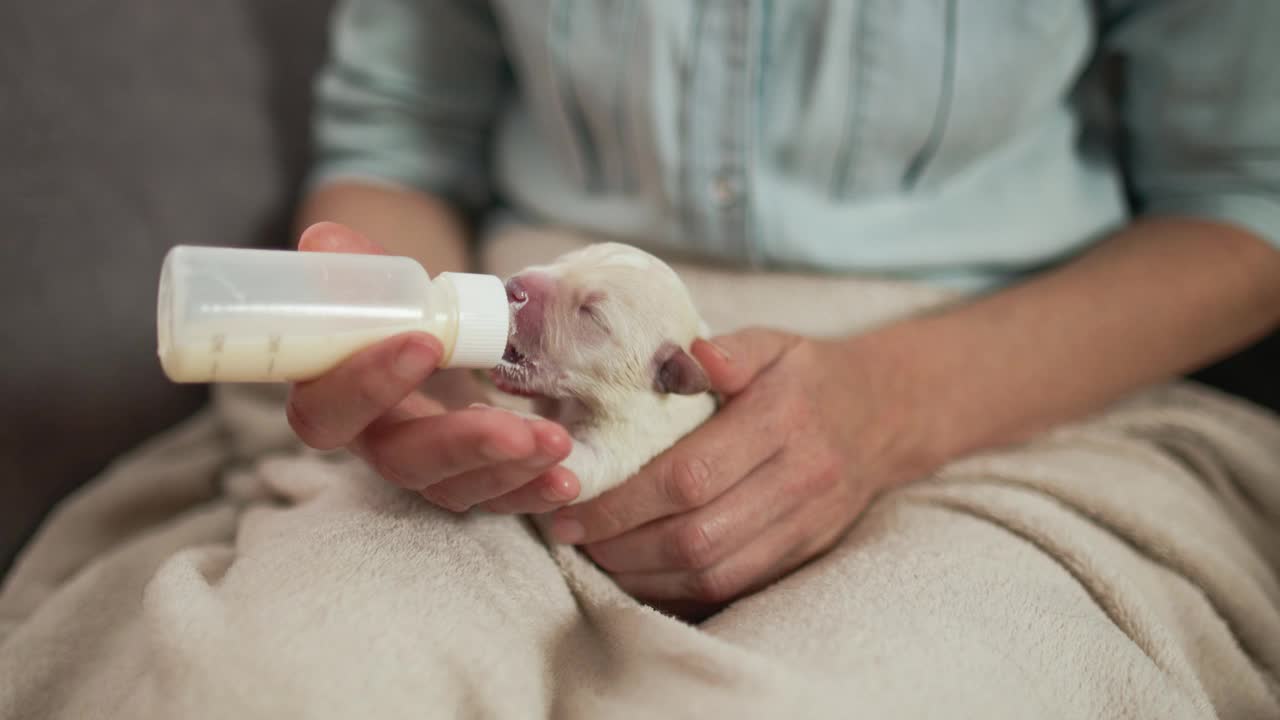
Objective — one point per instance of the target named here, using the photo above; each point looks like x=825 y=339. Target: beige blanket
x=1125 y=567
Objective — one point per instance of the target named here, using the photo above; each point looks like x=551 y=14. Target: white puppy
x=600 y=339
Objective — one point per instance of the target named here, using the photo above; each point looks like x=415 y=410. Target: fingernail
x=724 y=354
x=414 y=360
x=479 y=406
x=567 y=531
x=493 y=452
x=554 y=492
x=550 y=493
x=327 y=241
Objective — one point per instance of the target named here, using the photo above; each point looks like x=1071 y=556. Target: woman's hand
x=812 y=430
x=458 y=458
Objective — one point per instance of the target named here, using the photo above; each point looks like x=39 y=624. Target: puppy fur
x=600 y=340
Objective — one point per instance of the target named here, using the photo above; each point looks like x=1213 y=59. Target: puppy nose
x=517 y=293
x=529 y=289
x=530 y=296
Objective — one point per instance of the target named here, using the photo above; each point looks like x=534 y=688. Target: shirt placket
x=718 y=143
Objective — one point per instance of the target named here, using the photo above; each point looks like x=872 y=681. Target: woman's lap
x=1122 y=563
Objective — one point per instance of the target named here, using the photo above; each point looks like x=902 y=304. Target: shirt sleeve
x=409 y=96
x=1201 y=107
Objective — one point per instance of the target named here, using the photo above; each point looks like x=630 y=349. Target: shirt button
x=726 y=188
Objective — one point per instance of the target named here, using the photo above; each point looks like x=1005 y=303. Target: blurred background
x=128 y=126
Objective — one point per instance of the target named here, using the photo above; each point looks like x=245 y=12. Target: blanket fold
x=1126 y=566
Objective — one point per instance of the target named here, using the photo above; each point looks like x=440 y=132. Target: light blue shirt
x=949 y=140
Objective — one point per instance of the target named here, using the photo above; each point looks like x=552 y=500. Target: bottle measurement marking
x=218 y=341
x=273 y=348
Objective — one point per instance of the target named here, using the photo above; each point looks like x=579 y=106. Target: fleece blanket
x=1126 y=566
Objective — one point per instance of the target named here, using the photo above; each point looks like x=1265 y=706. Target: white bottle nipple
x=484 y=319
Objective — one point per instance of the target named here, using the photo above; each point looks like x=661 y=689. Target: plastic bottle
x=240 y=315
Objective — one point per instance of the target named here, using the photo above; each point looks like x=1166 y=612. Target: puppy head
x=599 y=324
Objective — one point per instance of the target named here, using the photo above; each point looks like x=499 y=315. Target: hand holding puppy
x=801 y=446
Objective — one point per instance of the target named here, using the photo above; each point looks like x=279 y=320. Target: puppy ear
x=679 y=373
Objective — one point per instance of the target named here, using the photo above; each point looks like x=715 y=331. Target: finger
x=695 y=471
x=548 y=491
x=421 y=452
x=461 y=492
x=333 y=237
x=699 y=539
x=732 y=361
x=329 y=411
x=413 y=406
x=776 y=552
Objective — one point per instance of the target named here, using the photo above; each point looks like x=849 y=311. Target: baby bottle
x=243 y=315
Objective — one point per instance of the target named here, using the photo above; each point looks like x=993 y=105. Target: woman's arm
x=404 y=112
x=403 y=118
x=1160 y=298
x=1199 y=102
x=404 y=222
x=812 y=429
x=800 y=448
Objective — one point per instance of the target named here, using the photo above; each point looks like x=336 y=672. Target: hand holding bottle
x=456 y=458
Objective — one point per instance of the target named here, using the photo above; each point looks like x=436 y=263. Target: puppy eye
x=591 y=311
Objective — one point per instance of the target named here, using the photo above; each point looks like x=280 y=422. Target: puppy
x=600 y=340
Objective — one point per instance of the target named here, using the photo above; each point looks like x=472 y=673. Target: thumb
x=335 y=237
x=732 y=361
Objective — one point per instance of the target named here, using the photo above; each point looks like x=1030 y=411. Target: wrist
x=888 y=377
x=404 y=222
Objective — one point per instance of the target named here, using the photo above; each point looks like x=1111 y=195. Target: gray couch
x=127 y=127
